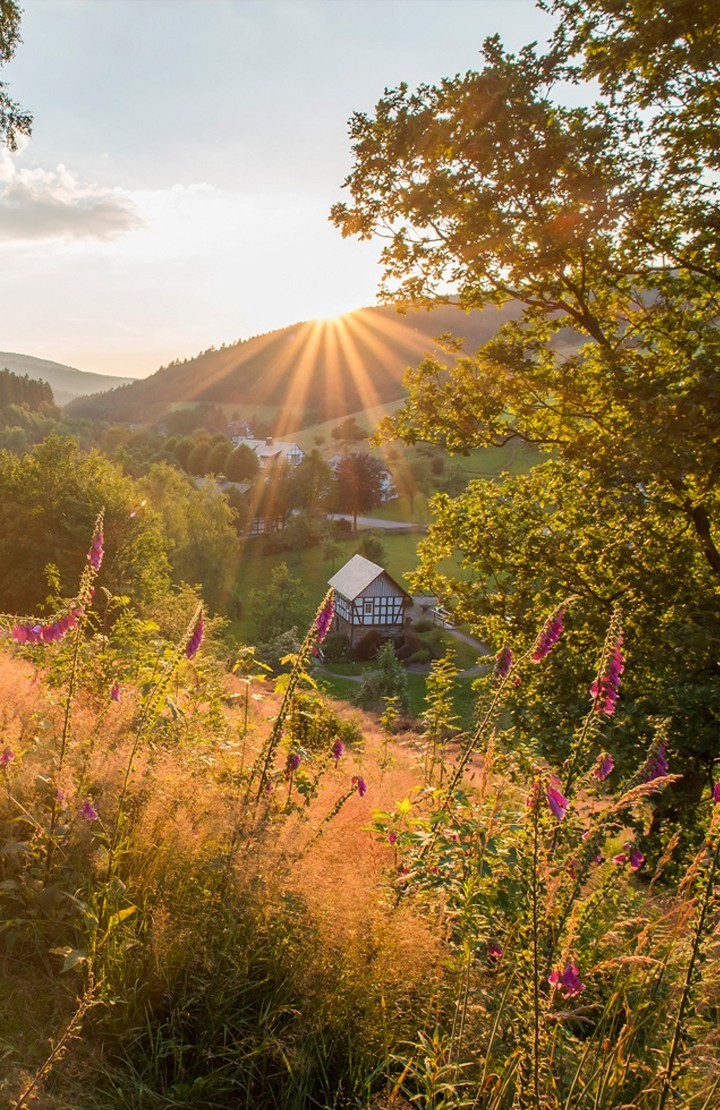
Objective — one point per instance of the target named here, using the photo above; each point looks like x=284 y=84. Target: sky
x=175 y=191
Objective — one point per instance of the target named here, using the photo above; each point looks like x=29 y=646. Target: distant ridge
x=302 y=374
x=66 y=382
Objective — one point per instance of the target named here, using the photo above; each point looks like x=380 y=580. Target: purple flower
x=503 y=662
x=292 y=763
x=657 y=765
x=324 y=619
x=96 y=552
x=605 y=764
x=635 y=857
x=60 y=795
x=558 y=804
x=392 y=836
x=495 y=953
x=361 y=785
x=337 y=750
x=88 y=811
x=196 y=639
x=716 y=793
x=620 y=859
x=604 y=690
x=5 y=756
x=567 y=980
x=549 y=636
x=115 y=691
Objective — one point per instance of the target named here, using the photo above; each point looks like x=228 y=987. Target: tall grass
x=216 y=901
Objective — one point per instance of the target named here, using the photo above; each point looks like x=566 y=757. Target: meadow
x=224 y=890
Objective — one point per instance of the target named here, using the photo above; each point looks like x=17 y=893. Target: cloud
x=38 y=204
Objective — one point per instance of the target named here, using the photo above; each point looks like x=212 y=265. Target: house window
x=367 y=608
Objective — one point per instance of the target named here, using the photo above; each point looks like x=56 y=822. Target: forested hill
x=22 y=390
x=66 y=382
x=307 y=372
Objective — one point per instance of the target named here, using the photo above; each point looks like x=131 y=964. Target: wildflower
x=196 y=639
x=360 y=784
x=716 y=792
x=337 y=750
x=567 y=980
x=657 y=765
x=605 y=764
x=604 y=690
x=88 y=811
x=558 y=804
x=60 y=795
x=115 y=691
x=324 y=619
x=572 y=868
x=503 y=662
x=5 y=756
x=96 y=552
x=620 y=859
x=293 y=762
x=549 y=636
x=635 y=857
x=495 y=953
x=392 y=837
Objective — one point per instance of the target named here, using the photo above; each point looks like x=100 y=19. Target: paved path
x=373 y=522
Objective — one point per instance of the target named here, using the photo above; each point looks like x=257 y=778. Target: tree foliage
x=14 y=121
x=359 y=478
x=599 y=224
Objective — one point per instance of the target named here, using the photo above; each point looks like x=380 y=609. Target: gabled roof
x=356 y=575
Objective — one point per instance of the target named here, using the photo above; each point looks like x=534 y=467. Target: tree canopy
x=599 y=223
x=14 y=121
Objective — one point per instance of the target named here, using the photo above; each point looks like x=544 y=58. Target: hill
x=66 y=382
x=302 y=374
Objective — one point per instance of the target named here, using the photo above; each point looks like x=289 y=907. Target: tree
x=218 y=457
x=197 y=460
x=311 y=482
x=359 y=478
x=49 y=500
x=199 y=525
x=599 y=222
x=13 y=120
x=282 y=605
x=242 y=465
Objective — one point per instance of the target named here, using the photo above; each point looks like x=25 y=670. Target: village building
x=271 y=450
x=366 y=598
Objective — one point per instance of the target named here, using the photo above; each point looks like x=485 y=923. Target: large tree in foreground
x=601 y=222
x=14 y=122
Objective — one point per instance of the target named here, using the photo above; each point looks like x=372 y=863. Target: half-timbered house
x=366 y=597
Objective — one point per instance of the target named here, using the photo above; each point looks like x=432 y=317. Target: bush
x=388 y=681
x=425 y=624
x=336 y=647
x=421 y=656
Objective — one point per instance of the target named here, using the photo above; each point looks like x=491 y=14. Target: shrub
x=368 y=646
x=420 y=656
x=388 y=681
x=336 y=647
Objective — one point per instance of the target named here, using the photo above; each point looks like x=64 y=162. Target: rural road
x=372 y=522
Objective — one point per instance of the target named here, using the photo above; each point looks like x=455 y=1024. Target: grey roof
x=355 y=576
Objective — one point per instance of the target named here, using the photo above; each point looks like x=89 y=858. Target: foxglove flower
x=88 y=811
x=503 y=662
x=567 y=980
x=337 y=750
x=292 y=763
x=549 y=636
x=115 y=691
x=392 y=836
x=193 y=644
x=96 y=552
x=5 y=756
x=657 y=765
x=635 y=857
x=495 y=953
x=604 y=690
x=558 y=804
x=605 y=764
x=324 y=620
x=716 y=793
x=360 y=785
